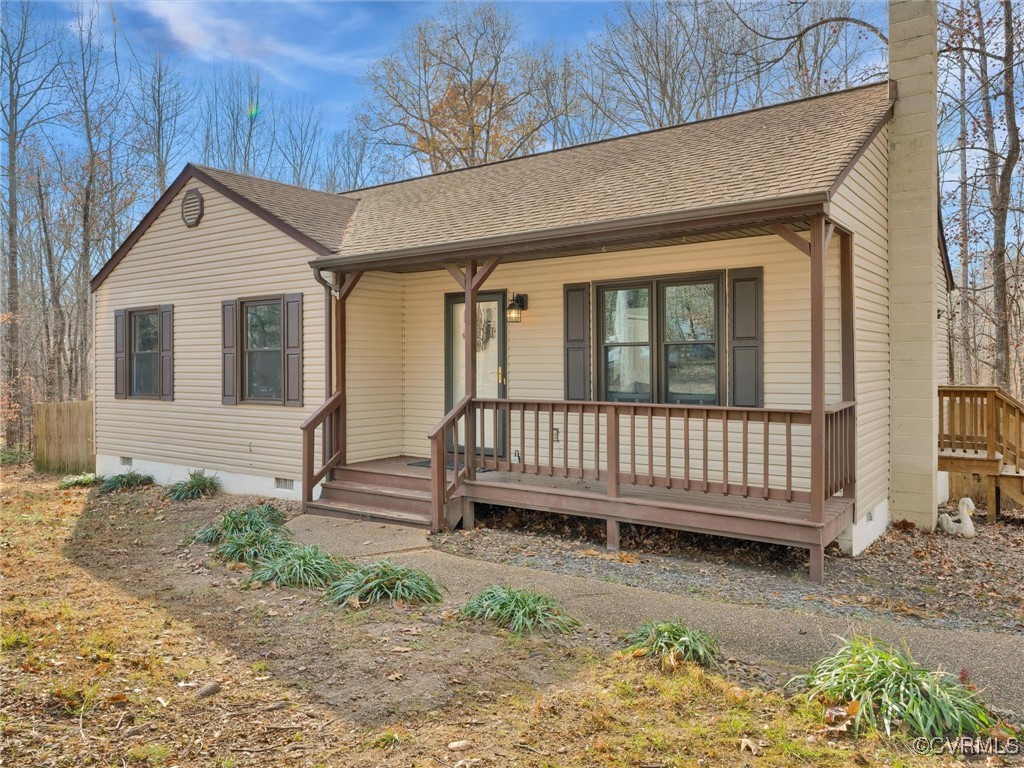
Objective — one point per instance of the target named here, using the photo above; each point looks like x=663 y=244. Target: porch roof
x=764 y=164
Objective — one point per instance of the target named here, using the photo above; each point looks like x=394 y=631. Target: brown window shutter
x=293 y=349
x=167 y=352
x=229 y=352
x=120 y=353
x=577 y=341
x=746 y=337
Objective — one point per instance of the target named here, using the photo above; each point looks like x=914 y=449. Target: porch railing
x=748 y=452
x=984 y=421
x=327 y=419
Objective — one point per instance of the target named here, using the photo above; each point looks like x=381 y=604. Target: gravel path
x=928 y=579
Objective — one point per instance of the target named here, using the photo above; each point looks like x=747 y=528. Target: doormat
x=450 y=464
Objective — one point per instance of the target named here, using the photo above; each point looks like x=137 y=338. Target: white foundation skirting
x=859 y=536
x=231 y=482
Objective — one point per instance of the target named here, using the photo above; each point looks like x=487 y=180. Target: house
x=735 y=326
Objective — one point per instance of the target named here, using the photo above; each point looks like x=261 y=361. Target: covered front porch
x=771 y=459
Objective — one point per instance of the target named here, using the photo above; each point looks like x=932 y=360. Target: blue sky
x=319 y=50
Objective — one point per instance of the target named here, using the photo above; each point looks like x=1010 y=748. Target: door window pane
x=690 y=312
x=627 y=373
x=263 y=351
x=145 y=354
x=691 y=374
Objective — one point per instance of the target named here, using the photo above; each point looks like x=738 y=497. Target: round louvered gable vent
x=192 y=208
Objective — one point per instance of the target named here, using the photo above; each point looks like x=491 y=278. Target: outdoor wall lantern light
x=514 y=310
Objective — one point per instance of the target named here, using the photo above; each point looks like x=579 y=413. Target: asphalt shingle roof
x=790 y=149
x=794 y=148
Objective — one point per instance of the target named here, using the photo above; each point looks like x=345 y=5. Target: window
x=659 y=340
x=144 y=356
x=263 y=369
x=262 y=350
x=144 y=353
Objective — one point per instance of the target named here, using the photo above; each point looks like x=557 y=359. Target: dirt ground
x=123 y=647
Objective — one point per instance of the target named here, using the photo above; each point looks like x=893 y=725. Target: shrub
x=673 y=643
x=197 y=485
x=302 y=566
x=251 y=547
x=519 y=610
x=384 y=580
x=251 y=519
x=890 y=688
x=85 y=480
x=126 y=481
x=14 y=454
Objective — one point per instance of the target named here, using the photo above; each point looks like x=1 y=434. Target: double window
x=660 y=340
x=144 y=353
x=262 y=350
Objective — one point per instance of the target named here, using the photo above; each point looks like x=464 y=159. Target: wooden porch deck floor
x=750 y=518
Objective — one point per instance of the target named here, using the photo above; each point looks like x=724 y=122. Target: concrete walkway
x=757 y=634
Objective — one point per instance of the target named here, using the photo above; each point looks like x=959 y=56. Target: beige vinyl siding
x=231 y=254
x=942 y=337
x=861 y=204
x=535 y=346
x=373 y=316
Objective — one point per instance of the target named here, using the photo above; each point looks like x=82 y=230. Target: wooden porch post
x=819 y=240
x=470 y=359
x=340 y=348
x=846 y=303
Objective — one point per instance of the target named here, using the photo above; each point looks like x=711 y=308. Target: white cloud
x=238 y=32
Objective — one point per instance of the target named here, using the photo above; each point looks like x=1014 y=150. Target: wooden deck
x=392 y=489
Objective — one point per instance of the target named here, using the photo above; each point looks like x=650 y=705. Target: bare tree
x=299 y=141
x=239 y=126
x=28 y=69
x=460 y=90
x=162 y=103
x=671 y=62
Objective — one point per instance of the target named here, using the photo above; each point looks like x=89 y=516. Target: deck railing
x=747 y=452
x=984 y=421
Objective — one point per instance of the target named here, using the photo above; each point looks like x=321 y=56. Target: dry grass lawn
x=110 y=632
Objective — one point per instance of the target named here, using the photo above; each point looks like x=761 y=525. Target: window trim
x=129 y=315
x=656 y=284
x=240 y=366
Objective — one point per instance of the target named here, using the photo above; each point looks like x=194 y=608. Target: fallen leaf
x=460 y=746
x=746 y=745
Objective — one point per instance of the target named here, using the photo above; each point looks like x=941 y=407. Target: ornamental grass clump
x=892 y=690
x=301 y=566
x=251 y=547
x=254 y=518
x=520 y=611
x=674 y=644
x=126 y=481
x=85 y=480
x=383 y=580
x=197 y=485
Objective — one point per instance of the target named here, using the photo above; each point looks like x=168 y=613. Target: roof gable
x=313 y=218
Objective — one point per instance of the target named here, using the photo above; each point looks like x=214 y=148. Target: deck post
x=819 y=243
x=470 y=358
x=613 y=535
x=327 y=444
x=849 y=352
x=340 y=418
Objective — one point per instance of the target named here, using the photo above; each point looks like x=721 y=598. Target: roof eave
x=781 y=208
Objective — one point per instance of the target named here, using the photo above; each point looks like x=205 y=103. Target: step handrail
x=441 y=490
x=311 y=477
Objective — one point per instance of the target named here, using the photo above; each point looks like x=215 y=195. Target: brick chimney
x=913 y=259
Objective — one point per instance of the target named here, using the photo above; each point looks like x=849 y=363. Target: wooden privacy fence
x=63 y=437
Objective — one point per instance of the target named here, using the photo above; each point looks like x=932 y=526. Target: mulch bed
x=933 y=579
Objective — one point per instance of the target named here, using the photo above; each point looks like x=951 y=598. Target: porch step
x=349 y=511
x=386 y=476
x=378 y=495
